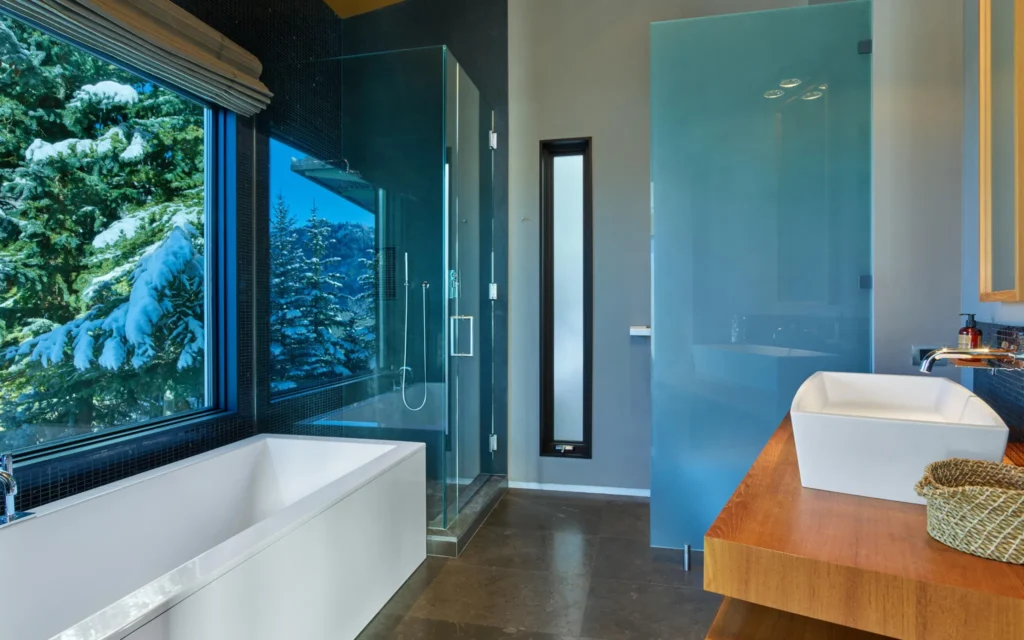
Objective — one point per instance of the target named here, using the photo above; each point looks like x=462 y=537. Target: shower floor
x=435 y=497
x=452 y=541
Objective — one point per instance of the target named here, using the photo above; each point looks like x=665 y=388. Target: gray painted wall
x=917 y=131
x=576 y=72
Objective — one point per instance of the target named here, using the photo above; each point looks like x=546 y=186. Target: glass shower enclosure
x=403 y=144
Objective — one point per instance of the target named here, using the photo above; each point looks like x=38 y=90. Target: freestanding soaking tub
x=271 y=537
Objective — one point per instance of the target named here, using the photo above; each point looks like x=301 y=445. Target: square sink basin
x=872 y=435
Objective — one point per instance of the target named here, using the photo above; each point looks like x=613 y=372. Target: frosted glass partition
x=567 y=228
x=760 y=142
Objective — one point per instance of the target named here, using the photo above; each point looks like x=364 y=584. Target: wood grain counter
x=859 y=562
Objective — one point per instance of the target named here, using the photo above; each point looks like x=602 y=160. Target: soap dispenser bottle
x=970 y=334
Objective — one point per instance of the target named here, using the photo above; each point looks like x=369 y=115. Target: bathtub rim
x=121 y=618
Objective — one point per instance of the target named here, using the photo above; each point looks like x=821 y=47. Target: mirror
x=999 y=205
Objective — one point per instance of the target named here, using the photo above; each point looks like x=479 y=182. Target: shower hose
x=405 y=347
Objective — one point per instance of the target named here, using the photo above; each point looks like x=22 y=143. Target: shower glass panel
x=467 y=142
x=760 y=142
x=399 y=145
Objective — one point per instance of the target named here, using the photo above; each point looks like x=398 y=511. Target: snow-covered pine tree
x=318 y=330
x=101 y=242
x=290 y=335
x=325 y=314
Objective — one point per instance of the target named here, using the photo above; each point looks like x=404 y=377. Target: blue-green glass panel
x=760 y=143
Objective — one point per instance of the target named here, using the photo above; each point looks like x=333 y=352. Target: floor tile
x=383 y=627
x=570 y=497
x=386 y=627
x=635 y=561
x=415 y=586
x=557 y=551
x=516 y=511
x=627 y=520
x=506 y=598
x=618 y=610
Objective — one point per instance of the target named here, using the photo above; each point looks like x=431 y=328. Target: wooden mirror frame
x=986 y=294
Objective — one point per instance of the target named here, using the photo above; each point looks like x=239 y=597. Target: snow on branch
x=40 y=150
x=131 y=325
x=176 y=258
x=104 y=94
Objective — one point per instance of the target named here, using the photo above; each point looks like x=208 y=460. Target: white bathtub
x=268 y=538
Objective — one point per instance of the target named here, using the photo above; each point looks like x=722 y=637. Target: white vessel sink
x=872 y=435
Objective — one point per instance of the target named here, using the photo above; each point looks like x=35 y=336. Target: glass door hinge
x=453 y=284
x=494 y=442
x=493 y=291
x=494 y=140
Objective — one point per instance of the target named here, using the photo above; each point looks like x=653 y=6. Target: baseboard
x=580 y=488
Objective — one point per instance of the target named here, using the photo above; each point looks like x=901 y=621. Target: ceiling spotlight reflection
x=823 y=87
x=771 y=94
x=789 y=83
x=812 y=95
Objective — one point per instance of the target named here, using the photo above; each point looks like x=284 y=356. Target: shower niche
x=400 y=147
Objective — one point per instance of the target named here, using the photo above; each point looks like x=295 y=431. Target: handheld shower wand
x=405 y=341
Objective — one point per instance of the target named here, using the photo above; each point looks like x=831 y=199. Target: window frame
x=549 y=150
x=220 y=148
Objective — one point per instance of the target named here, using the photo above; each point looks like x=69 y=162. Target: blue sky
x=300 y=193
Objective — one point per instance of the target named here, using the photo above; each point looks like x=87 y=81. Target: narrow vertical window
x=566 y=308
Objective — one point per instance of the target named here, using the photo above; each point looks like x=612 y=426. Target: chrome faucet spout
x=8 y=485
x=994 y=357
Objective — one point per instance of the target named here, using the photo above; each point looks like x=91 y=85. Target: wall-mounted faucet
x=9 y=489
x=8 y=486
x=994 y=358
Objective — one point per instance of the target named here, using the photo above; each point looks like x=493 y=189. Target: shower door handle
x=453 y=325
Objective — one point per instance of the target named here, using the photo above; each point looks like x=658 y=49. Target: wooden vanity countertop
x=859 y=562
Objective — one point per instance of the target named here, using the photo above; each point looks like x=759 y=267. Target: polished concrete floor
x=551 y=566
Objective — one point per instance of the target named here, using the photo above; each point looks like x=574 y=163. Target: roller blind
x=160 y=39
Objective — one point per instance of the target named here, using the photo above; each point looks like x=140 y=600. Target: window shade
x=160 y=39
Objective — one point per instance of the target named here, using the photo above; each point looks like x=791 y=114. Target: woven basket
x=976 y=507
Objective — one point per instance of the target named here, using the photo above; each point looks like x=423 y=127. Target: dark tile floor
x=553 y=566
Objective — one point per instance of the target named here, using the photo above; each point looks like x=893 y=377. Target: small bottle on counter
x=970 y=334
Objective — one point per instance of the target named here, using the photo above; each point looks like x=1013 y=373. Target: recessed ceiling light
x=811 y=95
x=771 y=94
x=789 y=83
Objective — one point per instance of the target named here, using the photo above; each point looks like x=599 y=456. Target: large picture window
x=103 y=318
x=323 y=272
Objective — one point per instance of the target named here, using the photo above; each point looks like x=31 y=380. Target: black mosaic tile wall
x=1004 y=390
x=281 y=33
x=47 y=481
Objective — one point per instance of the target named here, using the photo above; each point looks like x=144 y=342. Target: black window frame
x=549 y=150
x=221 y=256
